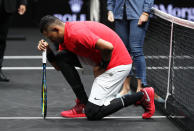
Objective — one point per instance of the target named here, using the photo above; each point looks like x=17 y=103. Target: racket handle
x=44 y=56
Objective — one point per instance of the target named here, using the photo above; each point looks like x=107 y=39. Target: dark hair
x=48 y=20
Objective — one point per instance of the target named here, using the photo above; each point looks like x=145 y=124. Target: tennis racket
x=44 y=87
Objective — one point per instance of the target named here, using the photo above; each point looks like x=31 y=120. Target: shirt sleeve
x=148 y=5
x=85 y=37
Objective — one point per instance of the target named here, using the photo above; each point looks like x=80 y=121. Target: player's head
x=52 y=28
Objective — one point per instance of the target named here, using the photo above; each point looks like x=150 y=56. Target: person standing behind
x=131 y=21
x=7 y=8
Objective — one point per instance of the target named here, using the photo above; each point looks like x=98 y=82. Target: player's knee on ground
x=92 y=111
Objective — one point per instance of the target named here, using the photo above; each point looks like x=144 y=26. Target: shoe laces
x=145 y=104
x=78 y=107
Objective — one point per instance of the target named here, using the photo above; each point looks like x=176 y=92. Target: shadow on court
x=21 y=98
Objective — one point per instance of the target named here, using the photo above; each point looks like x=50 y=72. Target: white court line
x=175 y=68
x=167 y=57
x=51 y=68
x=147 y=57
x=22 y=57
x=26 y=68
x=31 y=68
x=59 y=118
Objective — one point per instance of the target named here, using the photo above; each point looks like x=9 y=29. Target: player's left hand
x=21 y=9
x=143 y=18
x=42 y=45
x=110 y=16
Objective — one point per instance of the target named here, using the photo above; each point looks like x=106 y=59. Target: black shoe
x=3 y=78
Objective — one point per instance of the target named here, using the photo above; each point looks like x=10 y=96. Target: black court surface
x=20 y=107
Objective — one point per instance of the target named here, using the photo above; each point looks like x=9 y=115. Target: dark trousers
x=67 y=62
x=5 y=19
x=133 y=38
x=95 y=112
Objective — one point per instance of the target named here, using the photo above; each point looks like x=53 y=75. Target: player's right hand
x=143 y=18
x=42 y=45
x=21 y=9
x=97 y=70
x=110 y=16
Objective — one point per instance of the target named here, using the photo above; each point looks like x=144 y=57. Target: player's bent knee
x=92 y=111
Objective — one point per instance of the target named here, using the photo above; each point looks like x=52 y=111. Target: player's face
x=54 y=35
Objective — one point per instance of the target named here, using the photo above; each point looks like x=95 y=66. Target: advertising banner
x=66 y=10
x=76 y=10
x=180 y=8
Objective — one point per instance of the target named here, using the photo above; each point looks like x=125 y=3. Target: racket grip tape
x=44 y=56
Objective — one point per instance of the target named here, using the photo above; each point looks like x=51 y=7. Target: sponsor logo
x=96 y=98
x=181 y=12
x=76 y=6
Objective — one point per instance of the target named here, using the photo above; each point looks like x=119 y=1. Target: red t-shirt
x=80 y=38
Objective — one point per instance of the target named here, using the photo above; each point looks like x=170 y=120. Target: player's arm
x=105 y=49
x=42 y=45
x=146 y=11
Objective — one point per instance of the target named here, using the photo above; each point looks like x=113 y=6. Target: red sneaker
x=147 y=102
x=76 y=111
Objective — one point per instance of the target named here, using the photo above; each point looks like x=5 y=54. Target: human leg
x=108 y=84
x=139 y=85
x=96 y=112
x=145 y=98
x=4 y=25
x=122 y=29
x=126 y=87
x=67 y=61
x=137 y=35
x=104 y=102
